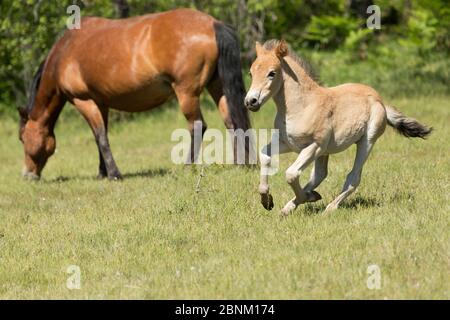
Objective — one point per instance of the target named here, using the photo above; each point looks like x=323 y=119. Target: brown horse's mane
x=305 y=65
x=34 y=86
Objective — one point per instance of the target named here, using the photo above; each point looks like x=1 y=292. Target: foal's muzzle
x=252 y=103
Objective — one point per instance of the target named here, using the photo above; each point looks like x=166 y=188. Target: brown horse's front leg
x=101 y=138
x=102 y=170
x=97 y=120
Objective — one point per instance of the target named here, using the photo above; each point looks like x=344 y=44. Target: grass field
x=151 y=236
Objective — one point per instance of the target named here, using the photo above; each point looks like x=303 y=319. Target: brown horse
x=133 y=65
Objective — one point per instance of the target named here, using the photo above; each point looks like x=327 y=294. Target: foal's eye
x=271 y=75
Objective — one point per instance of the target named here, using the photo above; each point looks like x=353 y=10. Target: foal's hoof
x=330 y=208
x=313 y=196
x=288 y=208
x=267 y=201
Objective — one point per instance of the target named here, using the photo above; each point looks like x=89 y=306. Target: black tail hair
x=413 y=129
x=34 y=87
x=406 y=126
x=229 y=69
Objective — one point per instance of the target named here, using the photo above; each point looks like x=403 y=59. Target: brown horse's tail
x=408 y=127
x=229 y=69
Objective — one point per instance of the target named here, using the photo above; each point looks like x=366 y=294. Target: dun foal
x=315 y=122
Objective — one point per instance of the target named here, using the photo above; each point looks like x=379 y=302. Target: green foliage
x=329 y=31
x=356 y=38
x=28 y=30
x=392 y=70
x=25 y=36
x=427 y=31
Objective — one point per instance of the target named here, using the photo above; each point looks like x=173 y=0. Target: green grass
x=151 y=236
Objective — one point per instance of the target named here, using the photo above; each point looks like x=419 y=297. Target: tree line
x=28 y=28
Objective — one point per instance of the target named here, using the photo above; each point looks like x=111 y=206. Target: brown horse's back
x=133 y=64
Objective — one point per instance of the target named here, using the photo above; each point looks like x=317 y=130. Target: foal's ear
x=281 y=50
x=259 y=48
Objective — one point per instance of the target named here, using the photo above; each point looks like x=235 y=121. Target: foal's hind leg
x=363 y=148
x=306 y=156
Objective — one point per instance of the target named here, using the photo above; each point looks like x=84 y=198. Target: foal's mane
x=305 y=65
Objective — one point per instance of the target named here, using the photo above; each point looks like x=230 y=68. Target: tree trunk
x=358 y=8
x=122 y=8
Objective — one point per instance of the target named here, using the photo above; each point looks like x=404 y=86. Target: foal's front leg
x=306 y=156
x=265 y=158
x=318 y=174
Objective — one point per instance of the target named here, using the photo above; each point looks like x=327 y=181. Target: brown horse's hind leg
x=190 y=106
x=216 y=92
x=97 y=119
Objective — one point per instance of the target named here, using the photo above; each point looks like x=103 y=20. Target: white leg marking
x=265 y=159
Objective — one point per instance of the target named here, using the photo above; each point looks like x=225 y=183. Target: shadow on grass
x=352 y=203
x=150 y=173
x=360 y=202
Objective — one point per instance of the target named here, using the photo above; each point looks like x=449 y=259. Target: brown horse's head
x=38 y=142
x=266 y=74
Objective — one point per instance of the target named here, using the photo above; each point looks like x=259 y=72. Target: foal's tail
x=229 y=69
x=408 y=127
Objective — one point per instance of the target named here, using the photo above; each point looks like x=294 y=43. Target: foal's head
x=266 y=74
x=38 y=143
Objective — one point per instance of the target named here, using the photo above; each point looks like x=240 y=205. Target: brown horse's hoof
x=115 y=177
x=267 y=201
x=29 y=176
x=102 y=176
x=313 y=196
